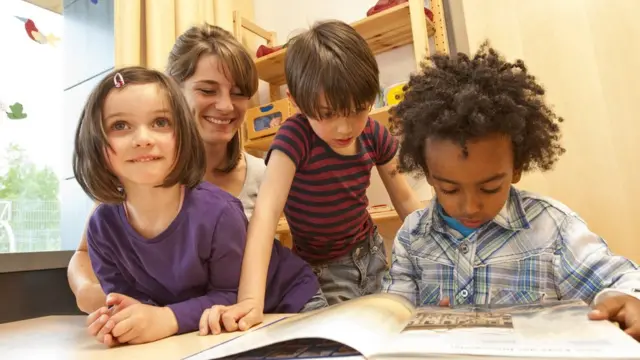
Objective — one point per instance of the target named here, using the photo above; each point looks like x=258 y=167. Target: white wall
x=585 y=53
x=395 y=66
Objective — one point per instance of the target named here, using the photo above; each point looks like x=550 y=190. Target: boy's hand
x=139 y=323
x=241 y=316
x=623 y=309
x=210 y=320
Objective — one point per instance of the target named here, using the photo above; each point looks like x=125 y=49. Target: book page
x=361 y=324
x=550 y=330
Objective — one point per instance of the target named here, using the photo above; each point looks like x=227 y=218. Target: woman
x=218 y=77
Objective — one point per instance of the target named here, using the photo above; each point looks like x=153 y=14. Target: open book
x=387 y=326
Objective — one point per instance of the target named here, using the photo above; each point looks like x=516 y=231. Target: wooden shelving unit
x=383 y=31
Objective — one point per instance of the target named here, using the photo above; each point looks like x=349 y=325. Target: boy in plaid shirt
x=473 y=126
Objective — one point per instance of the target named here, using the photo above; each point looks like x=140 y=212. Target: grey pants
x=353 y=275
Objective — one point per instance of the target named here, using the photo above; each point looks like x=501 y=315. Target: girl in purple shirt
x=161 y=240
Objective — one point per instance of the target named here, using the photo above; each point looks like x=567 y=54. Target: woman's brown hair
x=213 y=40
x=90 y=165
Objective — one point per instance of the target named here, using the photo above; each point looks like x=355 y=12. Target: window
x=31 y=127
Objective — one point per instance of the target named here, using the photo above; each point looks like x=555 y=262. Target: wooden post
x=441 y=39
x=419 y=31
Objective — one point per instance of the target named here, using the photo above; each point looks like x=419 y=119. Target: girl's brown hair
x=90 y=166
x=213 y=40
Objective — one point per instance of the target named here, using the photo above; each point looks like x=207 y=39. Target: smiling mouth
x=218 y=121
x=145 y=159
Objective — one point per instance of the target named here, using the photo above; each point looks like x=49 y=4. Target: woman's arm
x=82 y=280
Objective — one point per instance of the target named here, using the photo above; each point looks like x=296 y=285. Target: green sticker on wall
x=14 y=112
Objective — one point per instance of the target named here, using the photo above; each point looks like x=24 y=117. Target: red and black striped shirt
x=327 y=206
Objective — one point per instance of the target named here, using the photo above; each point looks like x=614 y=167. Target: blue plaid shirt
x=535 y=249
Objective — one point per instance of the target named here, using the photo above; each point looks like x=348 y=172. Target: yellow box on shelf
x=265 y=120
x=383 y=31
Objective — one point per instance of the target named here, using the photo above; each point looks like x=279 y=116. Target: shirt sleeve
x=293 y=138
x=106 y=270
x=225 y=262
x=402 y=274
x=586 y=269
x=386 y=145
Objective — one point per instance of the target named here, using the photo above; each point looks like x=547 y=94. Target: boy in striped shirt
x=318 y=171
x=473 y=126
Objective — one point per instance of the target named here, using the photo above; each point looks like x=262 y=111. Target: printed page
x=553 y=330
x=359 y=324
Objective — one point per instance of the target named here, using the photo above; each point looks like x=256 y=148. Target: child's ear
x=291 y=99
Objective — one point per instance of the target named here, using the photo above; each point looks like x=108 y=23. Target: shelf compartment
x=383 y=31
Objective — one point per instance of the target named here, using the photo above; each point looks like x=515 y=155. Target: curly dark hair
x=461 y=98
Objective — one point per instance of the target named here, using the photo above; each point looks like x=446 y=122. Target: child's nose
x=471 y=205
x=344 y=126
x=142 y=138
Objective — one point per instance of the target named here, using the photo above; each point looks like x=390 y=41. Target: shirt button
x=464 y=248
x=464 y=293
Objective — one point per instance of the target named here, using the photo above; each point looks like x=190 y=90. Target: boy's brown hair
x=90 y=165
x=331 y=59
x=207 y=39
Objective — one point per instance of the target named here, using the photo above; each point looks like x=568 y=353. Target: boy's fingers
x=608 y=308
x=252 y=318
x=204 y=322
x=634 y=332
x=231 y=316
x=215 y=315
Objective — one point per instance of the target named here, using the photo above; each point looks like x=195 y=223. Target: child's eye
x=162 y=122
x=119 y=125
x=491 y=191
x=449 y=192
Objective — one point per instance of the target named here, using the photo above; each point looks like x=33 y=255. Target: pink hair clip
x=118 y=80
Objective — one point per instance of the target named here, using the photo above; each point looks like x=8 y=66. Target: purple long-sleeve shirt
x=195 y=263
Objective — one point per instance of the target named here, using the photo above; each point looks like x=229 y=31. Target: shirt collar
x=512 y=216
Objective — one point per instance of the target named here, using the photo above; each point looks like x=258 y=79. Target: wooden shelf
x=383 y=31
x=382 y=214
x=262 y=144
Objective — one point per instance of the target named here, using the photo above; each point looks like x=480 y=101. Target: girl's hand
x=99 y=326
x=138 y=324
